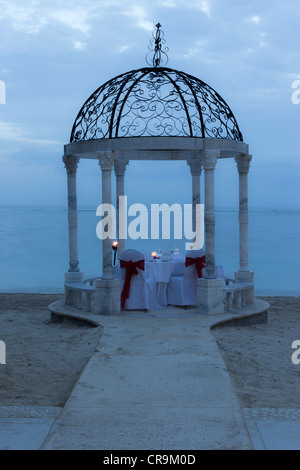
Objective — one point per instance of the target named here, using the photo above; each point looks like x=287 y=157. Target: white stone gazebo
x=157 y=113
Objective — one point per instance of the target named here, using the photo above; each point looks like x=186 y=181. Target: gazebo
x=157 y=113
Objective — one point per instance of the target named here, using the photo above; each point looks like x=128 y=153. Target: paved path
x=25 y=427
x=153 y=383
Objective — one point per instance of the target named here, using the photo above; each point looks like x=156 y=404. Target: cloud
x=26 y=18
x=140 y=15
x=247 y=51
x=255 y=19
x=202 y=5
x=194 y=50
x=10 y=131
x=123 y=48
x=75 y=18
x=267 y=92
x=169 y=3
x=6 y=154
x=33 y=15
x=79 y=45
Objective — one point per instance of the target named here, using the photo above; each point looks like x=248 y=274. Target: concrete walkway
x=156 y=382
x=25 y=427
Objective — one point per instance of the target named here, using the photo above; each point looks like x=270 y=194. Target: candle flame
x=153 y=253
x=115 y=244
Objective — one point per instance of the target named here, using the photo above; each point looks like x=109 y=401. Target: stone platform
x=156 y=381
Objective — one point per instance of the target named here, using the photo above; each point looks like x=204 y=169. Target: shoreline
x=61 y=292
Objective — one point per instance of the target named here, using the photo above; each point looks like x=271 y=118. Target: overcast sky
x=54 y=54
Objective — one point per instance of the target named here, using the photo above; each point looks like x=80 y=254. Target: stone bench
x=90 y=281
x=80 y=295
x=238 y=294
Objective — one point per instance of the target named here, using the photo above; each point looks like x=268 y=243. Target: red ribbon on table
x=200 y=264
x=131 y=269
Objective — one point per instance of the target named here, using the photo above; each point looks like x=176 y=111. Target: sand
x=44 y=359
x=258 y=357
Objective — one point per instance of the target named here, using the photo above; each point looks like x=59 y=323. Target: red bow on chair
x=131 y=268
x=200 y=264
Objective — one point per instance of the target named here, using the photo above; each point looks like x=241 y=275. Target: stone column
x=195 y=167
x=243 y=165
x=210 y=289
x=106 y=164
x=73 y=275
x=107 y=293
x=71 y=164
x=209 y=164
x=120 y=167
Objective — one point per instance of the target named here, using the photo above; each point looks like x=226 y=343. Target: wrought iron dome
x=155 y=101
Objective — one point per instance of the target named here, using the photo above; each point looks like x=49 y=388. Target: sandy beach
x=45 y=359
x=258 y=357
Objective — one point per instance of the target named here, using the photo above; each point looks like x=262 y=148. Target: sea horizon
x=34 y=247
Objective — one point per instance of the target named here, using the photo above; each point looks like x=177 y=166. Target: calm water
x=34 y=248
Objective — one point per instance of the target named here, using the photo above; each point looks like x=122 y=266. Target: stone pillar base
x=210 y=296
x=244 y=276
x=107 y=297
x=72 y=278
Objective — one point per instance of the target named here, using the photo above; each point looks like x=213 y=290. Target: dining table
x=160 y=272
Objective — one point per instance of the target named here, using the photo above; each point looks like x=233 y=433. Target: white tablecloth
x=161 y=271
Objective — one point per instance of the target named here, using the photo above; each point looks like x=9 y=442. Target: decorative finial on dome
x=160 y=56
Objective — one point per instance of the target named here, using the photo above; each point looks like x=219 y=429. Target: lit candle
x=154 y=254
x=115 y=249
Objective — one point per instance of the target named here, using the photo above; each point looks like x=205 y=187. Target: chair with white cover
x=220 y=273
x=137 y=292
x=182 y=290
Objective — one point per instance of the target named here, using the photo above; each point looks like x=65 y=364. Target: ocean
x=34 y=248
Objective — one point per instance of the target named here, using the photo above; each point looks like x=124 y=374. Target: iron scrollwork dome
x=155 y=101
